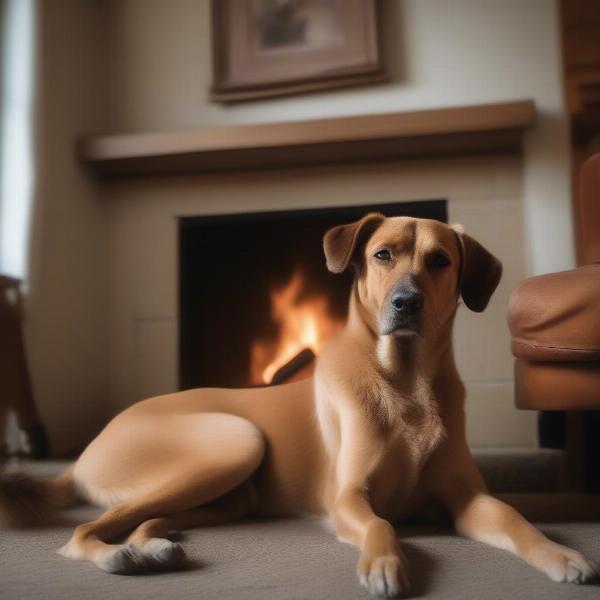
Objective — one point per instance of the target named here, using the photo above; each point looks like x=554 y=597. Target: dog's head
x=410 y=273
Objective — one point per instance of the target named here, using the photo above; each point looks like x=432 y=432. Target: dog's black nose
x=407 y=301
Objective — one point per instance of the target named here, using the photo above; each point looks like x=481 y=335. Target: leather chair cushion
x=556 y=317
x=557 y=386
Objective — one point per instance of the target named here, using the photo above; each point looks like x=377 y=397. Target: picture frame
x=267 y=48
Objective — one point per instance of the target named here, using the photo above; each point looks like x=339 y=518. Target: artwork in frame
x=264 y=48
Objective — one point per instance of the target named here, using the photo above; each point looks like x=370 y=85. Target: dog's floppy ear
x=341 y=242
x=480 y=272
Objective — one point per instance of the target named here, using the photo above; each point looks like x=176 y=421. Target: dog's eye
x=438 y=260
x=383 y=255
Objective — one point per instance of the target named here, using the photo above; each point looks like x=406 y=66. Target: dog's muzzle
x=404 y=311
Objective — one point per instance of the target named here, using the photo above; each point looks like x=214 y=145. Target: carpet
x=285 y=559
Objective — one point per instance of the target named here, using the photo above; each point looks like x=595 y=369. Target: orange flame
x=303 y=323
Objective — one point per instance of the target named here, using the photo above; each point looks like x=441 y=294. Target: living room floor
x=296 y=559
x=291 y=559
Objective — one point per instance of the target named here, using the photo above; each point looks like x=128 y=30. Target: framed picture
x=265 y=48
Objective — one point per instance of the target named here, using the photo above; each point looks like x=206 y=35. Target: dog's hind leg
x=190 y=481
x=163 y=554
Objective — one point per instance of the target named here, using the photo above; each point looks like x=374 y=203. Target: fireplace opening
x=256 y=301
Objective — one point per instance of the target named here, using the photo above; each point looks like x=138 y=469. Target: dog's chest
x=418 y=432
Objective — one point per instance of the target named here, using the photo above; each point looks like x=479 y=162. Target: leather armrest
x=556 y=317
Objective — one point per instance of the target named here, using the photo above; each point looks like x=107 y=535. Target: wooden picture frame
x=265 y=48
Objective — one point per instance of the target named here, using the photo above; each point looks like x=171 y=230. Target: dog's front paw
x=562 y=564
x=384 y=576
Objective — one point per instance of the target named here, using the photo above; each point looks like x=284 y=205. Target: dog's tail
x=27 y=501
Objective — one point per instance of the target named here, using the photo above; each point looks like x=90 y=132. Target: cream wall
x=98 y=342
x=67 y=280
x=440 y=53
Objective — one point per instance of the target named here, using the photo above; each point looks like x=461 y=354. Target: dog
x=376 y=434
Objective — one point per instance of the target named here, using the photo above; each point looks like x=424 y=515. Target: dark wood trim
x=491 y=128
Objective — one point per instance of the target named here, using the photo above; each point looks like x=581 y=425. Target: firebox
x=256 y=301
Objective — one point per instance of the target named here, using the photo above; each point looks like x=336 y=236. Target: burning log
x=303 y=320
x=293 y=366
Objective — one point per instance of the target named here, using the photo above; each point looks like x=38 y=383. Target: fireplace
x=256 y=301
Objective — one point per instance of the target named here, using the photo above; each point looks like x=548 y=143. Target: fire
x=304 y=321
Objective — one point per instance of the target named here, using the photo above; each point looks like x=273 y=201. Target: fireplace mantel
x=465 y=130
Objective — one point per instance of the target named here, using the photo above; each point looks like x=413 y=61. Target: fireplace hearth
x=255 y=298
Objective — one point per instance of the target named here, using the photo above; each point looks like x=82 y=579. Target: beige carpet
x=291 y=559
x=295 y=559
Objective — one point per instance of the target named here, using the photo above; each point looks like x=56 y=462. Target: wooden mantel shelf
x=490 y=128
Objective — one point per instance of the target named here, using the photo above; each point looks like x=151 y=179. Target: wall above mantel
x=464 y=130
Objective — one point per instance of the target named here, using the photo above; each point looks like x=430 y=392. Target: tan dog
x=369 y=440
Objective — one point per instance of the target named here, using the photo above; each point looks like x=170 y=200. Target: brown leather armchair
x=555 y=323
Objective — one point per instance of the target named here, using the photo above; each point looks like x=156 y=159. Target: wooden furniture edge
x=490 y=127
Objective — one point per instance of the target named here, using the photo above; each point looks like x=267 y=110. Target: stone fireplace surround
x=484 y=193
